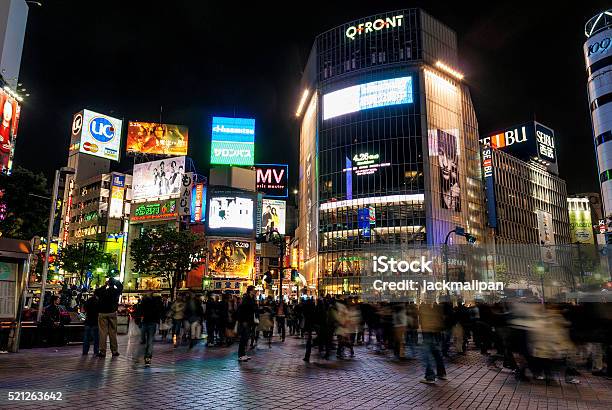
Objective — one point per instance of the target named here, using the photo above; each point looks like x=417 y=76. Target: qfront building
x=389 y=151
x=598 y=59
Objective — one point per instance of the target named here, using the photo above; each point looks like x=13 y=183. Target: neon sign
x=371 y=26
x=155 y=211
x=365 y=164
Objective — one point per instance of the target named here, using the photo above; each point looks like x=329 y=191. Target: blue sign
x=363 y=217
x=487 y=171
x=102 y=129
x=233 y=141
x=374 y=94
x=119 y=181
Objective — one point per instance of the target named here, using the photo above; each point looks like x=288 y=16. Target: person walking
x=280 y=313
x=177 y=312
x=91 y=330
x=194 y=313
x=108 y=302
x=151 y=310
x=245 y=316
x=309 y=315
x=432 y=325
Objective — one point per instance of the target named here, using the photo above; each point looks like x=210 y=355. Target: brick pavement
x=277 y=378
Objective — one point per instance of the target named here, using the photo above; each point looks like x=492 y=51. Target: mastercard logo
x=88 y=146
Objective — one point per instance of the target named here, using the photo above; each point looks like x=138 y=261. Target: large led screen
x=230 y=212
x=272 y=180
x=100 y=135
x=156 y=138
x=158 y=179
x=369 y=95
x=273 y=215
x=233 y=141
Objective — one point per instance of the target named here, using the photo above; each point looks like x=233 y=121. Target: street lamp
x=459 y=231
x=58 y=173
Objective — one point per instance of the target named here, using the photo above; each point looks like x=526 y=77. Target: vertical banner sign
x=67 y=217
x=487 y=171
x=546 y=236
x=185 y=194
x=198 y=197
x=115 y=209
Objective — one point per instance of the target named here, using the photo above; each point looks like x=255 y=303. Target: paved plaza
x=276 y=378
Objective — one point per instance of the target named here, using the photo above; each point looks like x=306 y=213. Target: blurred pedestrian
x=177 y=312
x=194 y=315
x=91 y=330
x=151 y=310
x=432 y=325
x=245 y=316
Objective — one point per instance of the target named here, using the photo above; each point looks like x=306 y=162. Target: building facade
x=598 y=59
x=389 y=151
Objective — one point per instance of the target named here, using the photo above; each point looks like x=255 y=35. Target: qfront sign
x=375 y=25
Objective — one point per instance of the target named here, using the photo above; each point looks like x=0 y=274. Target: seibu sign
x=376 y=25
x=272 y=180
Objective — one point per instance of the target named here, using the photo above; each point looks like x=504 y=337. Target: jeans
x=280 y=326
x=90 y=333
x=412 y=338
x=149 y=330
x=244 y=329
x=431 y=349
x=107 y=324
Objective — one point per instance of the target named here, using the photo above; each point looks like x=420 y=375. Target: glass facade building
x=598 y=59
x=389 y=151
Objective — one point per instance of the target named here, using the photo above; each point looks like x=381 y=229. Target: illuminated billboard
x=198 y=202
x=273 y=215
x=581 y=224
x=230 y=258
x=158 y=179
x=115 y=209
x=155 y=211
x=230 y=211
x=272 y=180
x=374 y=94
x=156 y=138
x=529 y=141
x=8 y=130
x=233 y=141
x=97 y=134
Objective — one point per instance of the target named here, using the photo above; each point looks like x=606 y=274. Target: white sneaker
x=243 y=358
x=3 y=352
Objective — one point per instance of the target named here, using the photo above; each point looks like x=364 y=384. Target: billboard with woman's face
x=10 y=110
x=156 y=138
x=273 y=215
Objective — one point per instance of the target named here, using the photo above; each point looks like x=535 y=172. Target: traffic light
x=470 y=238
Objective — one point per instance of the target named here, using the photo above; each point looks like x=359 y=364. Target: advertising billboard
x=527 y=141
x=155 y=211
x=156 y=138
x=97 y=134
x=445 y=146
x=11 y=111
x=198 y=202
x=230 y=258
x=272 y=180
x=158 y=179
x=581 y=225
x=374 y=94
x=233 y=141
x=115 y=209
x=489 y=178
x=185 y=194
x=231 y=211
x=546 y=236
x=273 y=215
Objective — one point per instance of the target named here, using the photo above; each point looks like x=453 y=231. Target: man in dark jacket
x=90 y=332
x=431 y=317
x=245 y=316
x=108 y=301
x=150 y=311
x=309 y=314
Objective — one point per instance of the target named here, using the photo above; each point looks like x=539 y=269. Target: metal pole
x=446 y=259
x=48 y=250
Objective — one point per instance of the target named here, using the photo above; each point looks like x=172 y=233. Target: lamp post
x=45 y=272
x=459 y=231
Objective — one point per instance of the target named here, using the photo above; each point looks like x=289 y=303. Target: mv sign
x=272 y=180
x=375 y=25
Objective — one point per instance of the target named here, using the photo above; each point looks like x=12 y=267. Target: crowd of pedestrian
x=531 y=339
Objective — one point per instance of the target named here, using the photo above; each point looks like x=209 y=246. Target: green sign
x=159 y=210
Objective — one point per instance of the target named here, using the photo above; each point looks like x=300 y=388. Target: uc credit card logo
x=101 y=129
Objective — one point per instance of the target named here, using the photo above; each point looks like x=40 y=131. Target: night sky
x=204 y=58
